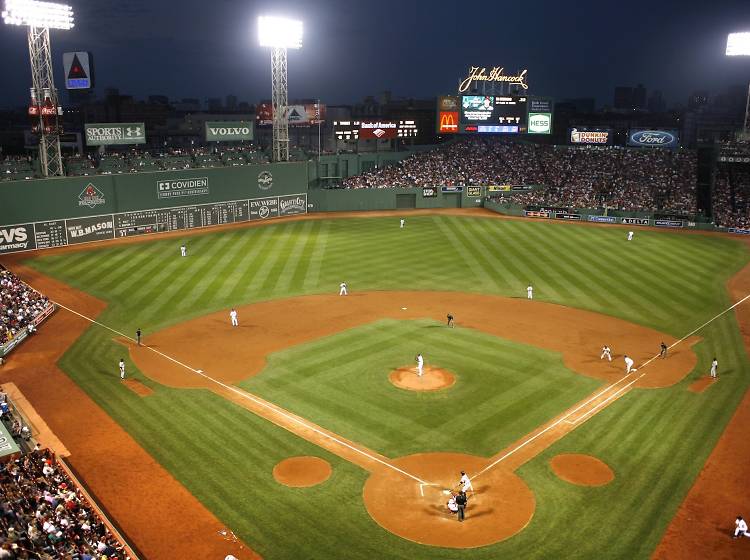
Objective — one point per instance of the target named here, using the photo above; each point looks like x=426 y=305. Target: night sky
x=353 y=48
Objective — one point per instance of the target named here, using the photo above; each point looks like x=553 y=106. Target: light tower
x=44 y=109
x=279 y=34
x=738 y=44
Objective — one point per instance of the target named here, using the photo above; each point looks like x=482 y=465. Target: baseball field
x=569 y=456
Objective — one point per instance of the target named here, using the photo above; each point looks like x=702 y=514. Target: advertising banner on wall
x=590 y=135
x=110 y=134
x=171 y=188
x=298 y=115
x=17 y=238
x=429 y=192
x=229 y=131
x=653 y=138
x=377 y=130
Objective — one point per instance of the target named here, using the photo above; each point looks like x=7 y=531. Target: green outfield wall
x=347 y=200
x=74 y=197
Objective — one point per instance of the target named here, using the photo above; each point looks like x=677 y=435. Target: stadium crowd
x=44 y=516
x=731 y=198
x=576 y=177
x=19 y=306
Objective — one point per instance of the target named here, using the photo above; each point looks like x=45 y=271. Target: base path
x=106 y=458
x=705 y=519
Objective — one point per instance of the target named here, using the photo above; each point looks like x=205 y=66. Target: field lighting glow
x=738 y=44
x=279 y=33
x=38 y=14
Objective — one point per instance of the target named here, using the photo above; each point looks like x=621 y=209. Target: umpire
x=461 y=501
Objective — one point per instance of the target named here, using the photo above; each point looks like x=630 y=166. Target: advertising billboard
x=540 y=123
x=653 y=138
x=299 y=115
x=369 y=130
x=109 y=134
x=78 y=70
x=493 y=114
x=447 y=122
x=229 y=131
x=590 y=135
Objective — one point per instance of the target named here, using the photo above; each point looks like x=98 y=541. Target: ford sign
x=653 y=138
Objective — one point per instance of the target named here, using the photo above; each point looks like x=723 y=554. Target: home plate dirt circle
x=432 y=379
x=583 y=470
x=502 y=504
x=302 y=472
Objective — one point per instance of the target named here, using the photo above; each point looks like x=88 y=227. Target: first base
x=404 y=308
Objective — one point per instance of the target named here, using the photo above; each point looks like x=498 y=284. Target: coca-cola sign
x=653 y=138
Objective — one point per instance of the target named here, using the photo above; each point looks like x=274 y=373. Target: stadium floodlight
x=38 y=14
x=738 y=44
x=279 y=33
x=44 y=109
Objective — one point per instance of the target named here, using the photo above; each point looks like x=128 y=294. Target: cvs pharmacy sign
x=17 y=238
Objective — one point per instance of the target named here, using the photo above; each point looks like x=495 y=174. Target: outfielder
x=183 y=250
x=122 y=368
x=233 y=317
x=402 y=223
x=450 y=320
x=529 y=292
x=714 y=368
x=606 y=352
x=420 y=364
x=630 y=236
x=342 y=289
x=629 y=365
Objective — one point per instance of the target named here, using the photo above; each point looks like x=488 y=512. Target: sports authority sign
x=171 y=188
x=229 y=131
x=110 y=134
x=378 y=129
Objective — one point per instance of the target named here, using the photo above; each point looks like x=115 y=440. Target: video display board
x=493 y=114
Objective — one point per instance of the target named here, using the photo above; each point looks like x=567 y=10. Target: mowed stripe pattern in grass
x=341 y=382
x=655 y=440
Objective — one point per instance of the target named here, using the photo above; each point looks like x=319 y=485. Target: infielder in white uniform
x=630 y=236
x=122 y=368
x=606 y=352
x=465 y=482
x=402 y=223
x=740 y=527
x=529 y=292
x=342 y=289
x=183 y=250
x=233 y=317
x=629 y=365
x=714 y=368
x=420 y=364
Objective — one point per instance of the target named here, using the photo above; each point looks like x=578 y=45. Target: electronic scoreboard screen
x=493 y=114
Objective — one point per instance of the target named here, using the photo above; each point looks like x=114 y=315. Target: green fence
x=341 y=200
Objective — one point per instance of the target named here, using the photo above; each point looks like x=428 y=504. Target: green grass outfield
x=655 y=440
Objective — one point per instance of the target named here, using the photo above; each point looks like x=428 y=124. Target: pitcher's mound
x=301 y=472
x=432 y=378
x=583 y=470
x=501 y=506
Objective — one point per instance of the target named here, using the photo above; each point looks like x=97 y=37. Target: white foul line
x=600 y=393
x=249 y=396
